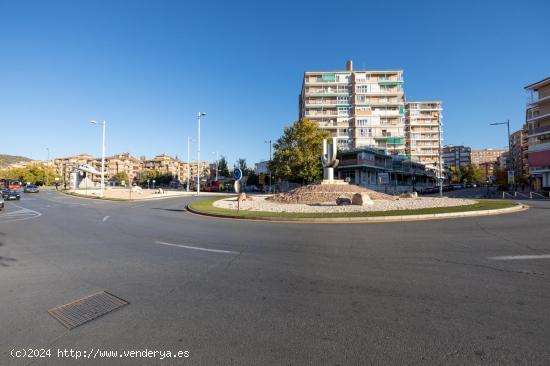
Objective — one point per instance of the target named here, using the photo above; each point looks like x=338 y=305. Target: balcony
x=531 y=132
x=535 y=116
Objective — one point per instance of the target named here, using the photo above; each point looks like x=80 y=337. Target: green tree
x=35 y=174
x=121 y=177
x=223 y=170
x=297 y=153
x=241 y=164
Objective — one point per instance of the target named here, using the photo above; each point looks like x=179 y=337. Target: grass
x=206 y=206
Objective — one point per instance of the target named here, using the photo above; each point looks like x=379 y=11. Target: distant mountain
x=6 y=160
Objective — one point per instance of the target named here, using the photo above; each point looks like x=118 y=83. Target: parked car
x=30 y=188
x=11 y=195
x=1 y=202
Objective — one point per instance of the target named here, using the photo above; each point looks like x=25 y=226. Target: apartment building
x=520 y=164
x=423 y=132
x=361 y=108
x=124 y=163
x=538 y=133
x=166 y=164
x=64 y=166
x=456 y=156
x=482 y=156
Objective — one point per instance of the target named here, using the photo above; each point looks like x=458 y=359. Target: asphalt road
x=260 y=293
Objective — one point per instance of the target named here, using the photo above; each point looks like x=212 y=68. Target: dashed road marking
x=197 y=248
x=106 y=218
x=519 y=257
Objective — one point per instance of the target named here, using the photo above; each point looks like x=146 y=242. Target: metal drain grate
x=83 y=310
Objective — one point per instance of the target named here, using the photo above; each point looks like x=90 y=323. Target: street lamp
x=507 y=123
x=199 y=115
x=102 y=156
x=268 y=168
x=217 y=158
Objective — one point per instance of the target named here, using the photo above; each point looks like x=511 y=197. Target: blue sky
x=147 y=67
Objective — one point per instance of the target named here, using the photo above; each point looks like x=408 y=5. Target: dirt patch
x=324 y=193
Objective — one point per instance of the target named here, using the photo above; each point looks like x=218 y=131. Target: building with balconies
x=455 y=156
x=519 y=145
x=361 y=108
x=537 y=120
x=424 y=133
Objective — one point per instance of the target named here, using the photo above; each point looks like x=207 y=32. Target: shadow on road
x=169 y=209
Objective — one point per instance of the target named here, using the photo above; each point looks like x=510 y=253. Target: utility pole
x=507 y=123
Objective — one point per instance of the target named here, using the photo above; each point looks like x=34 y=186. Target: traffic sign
x=237 y=174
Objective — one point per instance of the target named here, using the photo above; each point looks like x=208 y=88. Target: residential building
x=361 y=108
x=124 y=163
x=456 y=156
x=519 y=143
x=423 y=134
x=482 y=156
x=64 y=166
x=538 y=133
x=363 y=165
x=166 y=164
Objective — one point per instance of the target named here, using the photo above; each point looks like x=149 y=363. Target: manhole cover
x=80 y=311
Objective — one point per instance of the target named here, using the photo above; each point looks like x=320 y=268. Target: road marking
x=197 y=248
x=516 y=257
x=106 y=218
x=19 y=215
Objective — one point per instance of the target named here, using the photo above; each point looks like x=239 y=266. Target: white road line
x=516 y=257
x=197 y=248
x=106 y=218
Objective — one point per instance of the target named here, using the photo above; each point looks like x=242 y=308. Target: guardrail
x=521 y=195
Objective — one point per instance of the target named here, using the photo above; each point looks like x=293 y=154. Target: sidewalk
x=146 y=194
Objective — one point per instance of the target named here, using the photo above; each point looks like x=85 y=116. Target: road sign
x=237 y=174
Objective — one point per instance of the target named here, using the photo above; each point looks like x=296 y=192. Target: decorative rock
x=343 y=201
x=242 y=196
x=409 y=195
x=361 y=199
x=137 y=189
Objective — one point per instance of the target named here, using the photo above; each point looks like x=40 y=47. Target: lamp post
x=102 y=156
x=269 y=169
x=507 y=123
x=199 y=115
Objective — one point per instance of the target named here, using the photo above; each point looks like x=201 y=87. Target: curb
x=377 y=219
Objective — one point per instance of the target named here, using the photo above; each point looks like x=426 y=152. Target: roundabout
x=259 y=208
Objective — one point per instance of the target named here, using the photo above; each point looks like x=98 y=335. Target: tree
x=121 y=177
x=297 y=154
x=223 y=170
x=35 y=174
x=241 y=164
